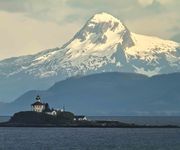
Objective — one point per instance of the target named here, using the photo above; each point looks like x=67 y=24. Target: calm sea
x=89 y=139
x=92 y=138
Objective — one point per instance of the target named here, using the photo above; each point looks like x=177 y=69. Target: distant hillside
x=109 y=94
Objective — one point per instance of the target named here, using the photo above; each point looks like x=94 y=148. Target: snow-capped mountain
x=104 y=44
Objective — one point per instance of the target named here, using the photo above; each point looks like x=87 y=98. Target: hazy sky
x=29 y=26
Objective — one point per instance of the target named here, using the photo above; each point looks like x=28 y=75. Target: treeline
x=30 y=117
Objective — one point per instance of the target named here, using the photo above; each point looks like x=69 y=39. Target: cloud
x=61 y=11
x=150 y=2
x=101 y=4
x=45 y=10
x=176 y=37
x=20 y=35
x=165 y=2
x=145 y=2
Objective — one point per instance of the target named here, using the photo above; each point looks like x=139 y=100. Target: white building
x=80 y=118
x=38 y=106
x=53 y=113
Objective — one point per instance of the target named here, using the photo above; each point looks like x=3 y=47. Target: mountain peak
x=104 y=17
x=100 y=29
x=104 y=44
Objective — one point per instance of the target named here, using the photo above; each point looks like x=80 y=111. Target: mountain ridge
x=112 y=93
x=104 y=44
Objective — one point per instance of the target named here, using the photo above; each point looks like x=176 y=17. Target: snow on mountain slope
x=152 y=55
x=103 y=44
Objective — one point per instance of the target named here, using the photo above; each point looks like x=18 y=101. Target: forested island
x=66 y=119
x=42 y=115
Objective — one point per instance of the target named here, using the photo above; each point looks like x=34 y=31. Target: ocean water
x=4 y=118
x=89 y=139
x=94 y=138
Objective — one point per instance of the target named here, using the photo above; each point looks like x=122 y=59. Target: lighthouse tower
x=38 y=106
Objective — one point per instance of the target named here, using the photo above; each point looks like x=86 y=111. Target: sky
x=30 y=26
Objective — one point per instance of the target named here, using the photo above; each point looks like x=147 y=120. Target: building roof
x=37 y=103
x=79 y=116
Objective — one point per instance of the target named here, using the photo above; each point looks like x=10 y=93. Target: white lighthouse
x=38 y=106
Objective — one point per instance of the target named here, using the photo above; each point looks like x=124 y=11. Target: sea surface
x=89 y=139
x=14 y=138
